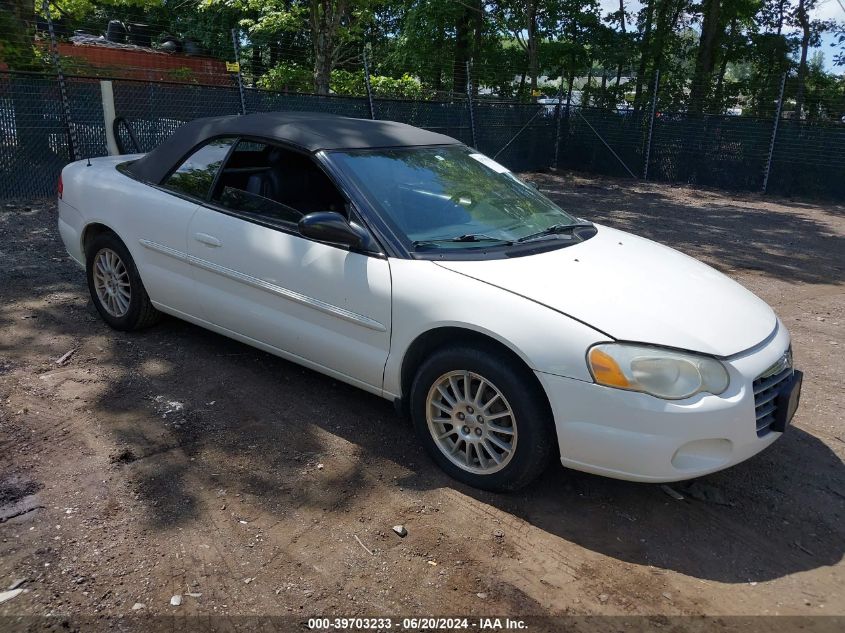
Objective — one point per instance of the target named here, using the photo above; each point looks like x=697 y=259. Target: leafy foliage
x=286 y=77
x=712 y=56
x=293 y=78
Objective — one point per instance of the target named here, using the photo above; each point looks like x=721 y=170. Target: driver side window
x=274 y=185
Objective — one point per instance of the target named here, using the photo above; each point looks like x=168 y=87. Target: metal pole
x=651 y=124
x=73 y=144
x=568 y=104
x=237 y=48
x=559 y=117
x=774 y=133
x=469 y=105
x=369 y=87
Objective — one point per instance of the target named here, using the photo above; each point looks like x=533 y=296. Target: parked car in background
x=407 y=264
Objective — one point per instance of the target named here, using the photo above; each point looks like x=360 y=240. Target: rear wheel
x=116 y=287
x=482 y=419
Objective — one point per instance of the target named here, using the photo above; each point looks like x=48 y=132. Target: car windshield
x=451 y=197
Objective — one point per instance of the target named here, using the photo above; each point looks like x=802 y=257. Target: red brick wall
x=147 y=65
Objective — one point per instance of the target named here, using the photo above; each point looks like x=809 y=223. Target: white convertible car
x=407 y=264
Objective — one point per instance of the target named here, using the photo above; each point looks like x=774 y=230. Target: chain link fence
x=67 y=72
x=38 y=135
x=34 y=142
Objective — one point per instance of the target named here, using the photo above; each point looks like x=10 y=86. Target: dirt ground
x=176 y=461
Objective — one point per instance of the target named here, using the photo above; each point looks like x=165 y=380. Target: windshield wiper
x=468 y=237
x=555 y=229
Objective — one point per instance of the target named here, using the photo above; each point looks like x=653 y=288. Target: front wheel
x=482 y=418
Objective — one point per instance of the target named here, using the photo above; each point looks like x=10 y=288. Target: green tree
x=810 y=32
x=17 y=31
x=331 y=26
x=662 y=33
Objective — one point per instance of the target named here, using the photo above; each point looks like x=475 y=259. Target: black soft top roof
x=310 y=131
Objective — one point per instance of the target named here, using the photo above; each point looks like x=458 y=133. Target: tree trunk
x=804 y=22
x=325 y=16
x=711 y=32
x=720 y=84
x=478 y=25
x=624 y=32
x=322 y=65
x=665 y=26
x=437 y=71
x=723 y=67
x=17 y=22
x=533 y=45
x=645 y=49
x=257 y=69
x=463 y=42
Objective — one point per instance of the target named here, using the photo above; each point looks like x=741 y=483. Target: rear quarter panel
x=100 y=194
x=82 y=201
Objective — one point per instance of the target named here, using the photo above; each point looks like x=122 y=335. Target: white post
x=107 y=94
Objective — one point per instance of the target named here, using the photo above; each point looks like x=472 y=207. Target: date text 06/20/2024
x=430 y=623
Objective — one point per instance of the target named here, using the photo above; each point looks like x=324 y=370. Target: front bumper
x=637 y=437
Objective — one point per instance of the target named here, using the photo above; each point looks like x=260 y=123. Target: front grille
x=765 y=395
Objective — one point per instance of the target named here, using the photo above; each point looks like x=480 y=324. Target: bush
x=352 y=84
x=286 y=76
x=406 y=87
x=343 y=82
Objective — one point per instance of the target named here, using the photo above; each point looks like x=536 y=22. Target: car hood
x=634 y=289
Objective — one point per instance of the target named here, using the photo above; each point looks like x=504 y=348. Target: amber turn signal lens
x=606 y=371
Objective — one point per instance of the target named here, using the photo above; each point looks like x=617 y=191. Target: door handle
x=207 y=239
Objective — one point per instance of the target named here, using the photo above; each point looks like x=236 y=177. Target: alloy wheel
x=471 y=422
x=111 y=283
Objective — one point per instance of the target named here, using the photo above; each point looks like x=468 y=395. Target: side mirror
x=332 y=227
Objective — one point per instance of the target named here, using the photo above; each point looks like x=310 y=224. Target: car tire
x=517 y=415
x=115 y=285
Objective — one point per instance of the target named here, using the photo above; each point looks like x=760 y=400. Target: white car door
x=319 y=304
x=161 y=245
x=161 y=225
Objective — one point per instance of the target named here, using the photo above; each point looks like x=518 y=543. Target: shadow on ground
x=743 y=234
x=258 y=421
x=774 y=515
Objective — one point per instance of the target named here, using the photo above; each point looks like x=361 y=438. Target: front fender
x=427 y=296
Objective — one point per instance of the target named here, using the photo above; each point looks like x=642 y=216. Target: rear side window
x=195 y=176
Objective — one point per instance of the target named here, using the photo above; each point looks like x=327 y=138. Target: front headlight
x=660 y=372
